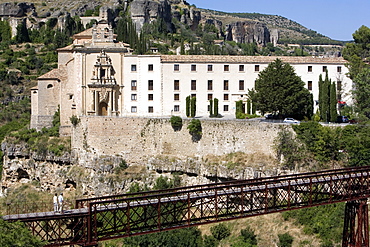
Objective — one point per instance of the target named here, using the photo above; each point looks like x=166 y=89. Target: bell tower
x=103 y=88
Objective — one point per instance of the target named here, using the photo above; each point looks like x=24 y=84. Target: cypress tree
x=211 y=108
x=248 y=106
x=193 y=106
x=215 y=112
x=188 y=106
x=321 y=102
x=333 y=103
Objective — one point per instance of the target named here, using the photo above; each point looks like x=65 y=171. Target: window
x=210 y=96
x=193 y=67
x=339 y=69
x=210 y=67
x=309 y=69
x=150 y=67
x=309 y=85
x=133 y=97
x=133 y=85
x=150 y=109
x=176 y=85
x=226 y=85
x=241 y=85
x=133 y=67
x=324 y=68
x=49 y=86
x=150 y=97
x=193 y=95
x=210 y=84
x=339 y=86
x=226 y=96
x=150 y=85
x=241 y=68
x=133 y=109
x=193 y=85
x=176 y=67
x=256 y=68
x=176 y=108
x=176 y=96
x=226 y=107
x=226 y=67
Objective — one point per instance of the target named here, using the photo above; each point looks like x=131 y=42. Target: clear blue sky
x=337 y=19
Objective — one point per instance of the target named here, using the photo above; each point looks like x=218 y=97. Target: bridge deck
x=102 y=218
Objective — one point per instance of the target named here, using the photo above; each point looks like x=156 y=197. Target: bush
x=176 y=123
x=195 y=129
x=74 y=120
x=220 y=231
x=285 y=240
x=15 y=234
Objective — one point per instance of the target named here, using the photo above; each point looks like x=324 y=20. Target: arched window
x=50 y=86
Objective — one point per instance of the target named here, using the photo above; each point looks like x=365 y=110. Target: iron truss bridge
x=109 y=217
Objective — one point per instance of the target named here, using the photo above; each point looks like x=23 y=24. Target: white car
x=291 y=120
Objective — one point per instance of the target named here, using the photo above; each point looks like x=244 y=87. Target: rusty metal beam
x=109 y=217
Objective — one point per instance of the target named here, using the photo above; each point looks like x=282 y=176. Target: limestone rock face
x=15 y=10
x=248 y=32
x=146 y=11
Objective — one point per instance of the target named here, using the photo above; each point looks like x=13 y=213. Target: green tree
x=278 y=89
x=361 y=92
x=193 y=106
x=333 y=103
x=22 y=34
x=188 y=106
x=215 y=111
x=16 y=234
x=358 y=53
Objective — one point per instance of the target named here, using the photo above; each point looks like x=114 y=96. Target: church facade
x=98 y=76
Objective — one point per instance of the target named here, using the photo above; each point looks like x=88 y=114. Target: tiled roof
x=86 y=33
x=249 y=59
x=53 y=74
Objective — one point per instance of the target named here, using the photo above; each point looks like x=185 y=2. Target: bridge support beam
x=356 y=224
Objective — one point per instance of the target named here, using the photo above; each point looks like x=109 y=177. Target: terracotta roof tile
x=53 y=74
x=249 y=59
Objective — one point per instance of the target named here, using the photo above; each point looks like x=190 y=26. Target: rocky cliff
x=248 y=32
x=139 y=151
x=141 y=12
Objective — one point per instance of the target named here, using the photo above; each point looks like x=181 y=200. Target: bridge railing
x=29 y=207
x=84 y=202
x=200 y=205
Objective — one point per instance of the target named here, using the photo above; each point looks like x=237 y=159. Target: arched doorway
x=103 y=106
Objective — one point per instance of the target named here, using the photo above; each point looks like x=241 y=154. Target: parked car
x=342 y=119
x=291 y=120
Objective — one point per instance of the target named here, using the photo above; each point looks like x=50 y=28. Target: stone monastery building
x=98 y=76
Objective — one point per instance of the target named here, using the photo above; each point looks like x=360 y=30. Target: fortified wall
x=151 y=148
x=138 y=139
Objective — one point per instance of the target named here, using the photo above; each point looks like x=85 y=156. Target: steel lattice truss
x=104 y=218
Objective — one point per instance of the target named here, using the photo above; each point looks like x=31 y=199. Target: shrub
x=195 y=129
x=74 y=120
x=220 y=231
x=285 y=240
x=176 y=123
